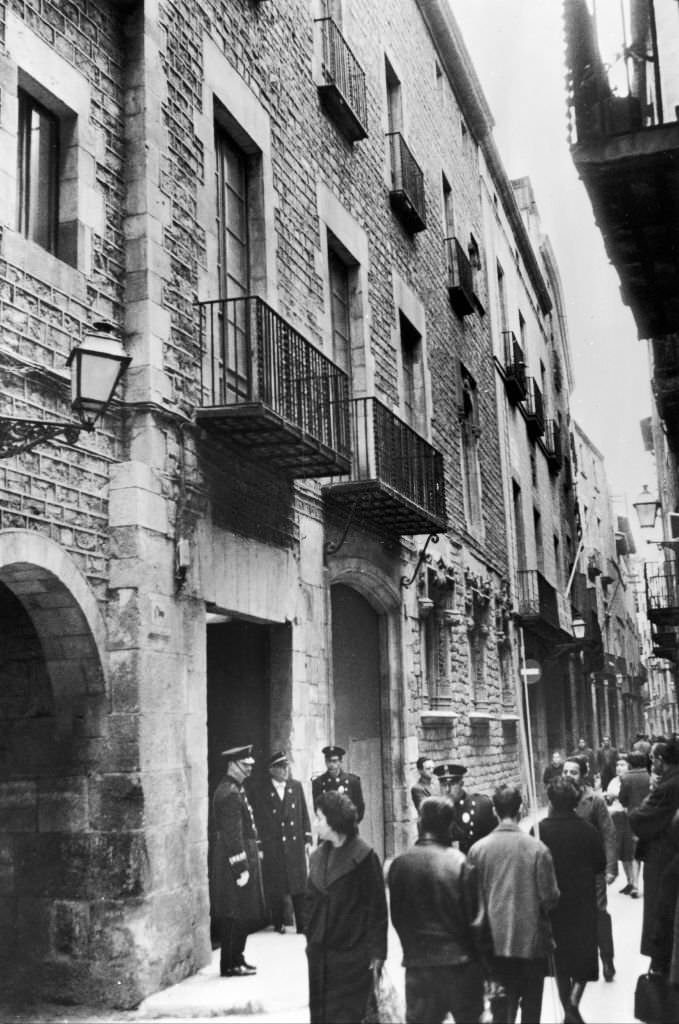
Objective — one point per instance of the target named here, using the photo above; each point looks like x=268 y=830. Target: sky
x=518 y=51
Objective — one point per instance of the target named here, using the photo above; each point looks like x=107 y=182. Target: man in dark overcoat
x=607 y=758
x=474 y=816
x=651 y=822
x=237 y=893
x=284 y=830
x=335 y=778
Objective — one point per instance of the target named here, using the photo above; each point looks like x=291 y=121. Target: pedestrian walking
x=427 y=783
x=237 y=893
x=606 y=760
x=651 y=823
x=592 y=807
x=579 y=857
x=583 y=750
x=345 y=915
x=553 y=769
x=517 y=884
x=473 y=815
x=625 y=840
x=433 y=902
x=335 y=778
x=284 y=830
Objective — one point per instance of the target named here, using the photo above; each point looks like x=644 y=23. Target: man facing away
x=517 y=882
x=433 y=901
x=285 y=834
x=427 y=784
x=592 y=807
x=336 y=778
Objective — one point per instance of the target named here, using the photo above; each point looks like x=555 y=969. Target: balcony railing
x=460 y=278
x=662 y=594
x=407 y=185
x=396 y=479
x=515 y=368
x=343 y=89
x=537 y=602
x=553 y=446
x=535 y=413
x=271 y=393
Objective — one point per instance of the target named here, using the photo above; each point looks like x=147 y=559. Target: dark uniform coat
x=345 y=922
x=345 y=783
x=284 y=829
x=578 y=854
x=235 y=850
x=474 y=818
x=650 y=821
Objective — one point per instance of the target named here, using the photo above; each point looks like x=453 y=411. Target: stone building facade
x=291 y=529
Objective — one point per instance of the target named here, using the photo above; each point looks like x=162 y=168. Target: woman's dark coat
x=345 y=917
x=650 y=821
x=284 y=831
x=235 y=850
x=578 y=853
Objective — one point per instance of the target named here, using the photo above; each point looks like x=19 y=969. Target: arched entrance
x=59 y=857
x=358 y=700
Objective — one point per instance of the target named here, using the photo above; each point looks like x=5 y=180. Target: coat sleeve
x=229 y=821
x=548 y=890
x=378 y=917
x=603 y=821
x=306 y=824
x=653 y=816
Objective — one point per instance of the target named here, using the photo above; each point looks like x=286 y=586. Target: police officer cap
x=333 y=751
x=280 y=757
x=239 y=754
x=450 y=771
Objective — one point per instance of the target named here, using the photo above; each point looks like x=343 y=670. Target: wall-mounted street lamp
x=97 y=366
x=579 y=628
x=647 y=508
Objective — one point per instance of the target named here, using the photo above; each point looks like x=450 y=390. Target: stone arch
x=365 y=577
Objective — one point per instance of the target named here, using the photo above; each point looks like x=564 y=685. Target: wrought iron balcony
x=515 y=368
x=534 y=409
x=553 y=447
x=662 y=594
x=407 y=185
x=343 y=91
x=627 y=150
x=537 y=603
x=269 y=392
x=460 y=279
x=396 y=479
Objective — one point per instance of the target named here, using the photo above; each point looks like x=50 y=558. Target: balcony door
x=231 y=358
x=357 y=701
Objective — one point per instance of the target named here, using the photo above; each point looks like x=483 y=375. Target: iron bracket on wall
x=332 y=547
x=424 y=557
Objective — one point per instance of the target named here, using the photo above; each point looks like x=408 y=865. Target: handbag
x=385 y=1005
x=655 y=1000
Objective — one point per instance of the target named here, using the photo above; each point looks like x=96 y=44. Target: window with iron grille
x=38 y=173
x=471 y=431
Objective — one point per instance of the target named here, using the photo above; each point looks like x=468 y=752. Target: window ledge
x=36 y=261
x=509 y=716
x=434 y=717
x=481 y=715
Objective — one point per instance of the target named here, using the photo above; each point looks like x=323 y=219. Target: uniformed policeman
x=336 y=778
x=474 y=814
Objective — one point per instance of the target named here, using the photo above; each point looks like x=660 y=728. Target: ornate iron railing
x=252 y=355
x=407 y=181
x=341 y=69
x=536 y=598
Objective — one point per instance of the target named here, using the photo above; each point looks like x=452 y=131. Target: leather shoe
x=626 y=890
x=280 y=928
x=241 y=971
x=609 y=970
x=635 y=894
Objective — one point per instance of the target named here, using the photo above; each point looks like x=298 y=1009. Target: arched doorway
x=59 y=852
x=358 y=700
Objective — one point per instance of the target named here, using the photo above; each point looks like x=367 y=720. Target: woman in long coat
x=578 y=853
x=345 y=913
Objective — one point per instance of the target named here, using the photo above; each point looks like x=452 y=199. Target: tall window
x=471 y=430
x=502 y=298
x=233 y=267
x=38 y=173
x=448 y=211
x=412 y=376
x=539 y=545
x=340 y=312
x=394 y=108
x=517 y=504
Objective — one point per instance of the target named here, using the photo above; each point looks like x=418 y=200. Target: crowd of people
x=484 y=909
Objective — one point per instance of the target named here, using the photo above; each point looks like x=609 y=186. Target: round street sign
x=532 y=671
